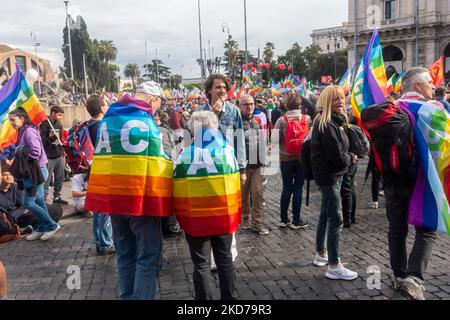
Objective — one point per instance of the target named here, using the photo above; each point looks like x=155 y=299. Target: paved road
x=276 y=266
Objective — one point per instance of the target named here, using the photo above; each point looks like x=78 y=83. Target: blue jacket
x=230 y=119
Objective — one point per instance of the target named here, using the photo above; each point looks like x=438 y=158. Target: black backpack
x=359 y=144
x=391 y=139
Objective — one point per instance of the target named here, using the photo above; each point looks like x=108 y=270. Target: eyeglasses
x=163 y=100
x=248 y=104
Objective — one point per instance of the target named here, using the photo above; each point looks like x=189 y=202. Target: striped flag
x=207 y=194
x=346 y=81
x=130 y=174
x=398 y=82
x=370 y=81
x=390 y=84
x=17 y=93
x=429 y=206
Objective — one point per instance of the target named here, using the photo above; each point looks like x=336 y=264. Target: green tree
x=231 y=55
x=269 y=52
x=156 y=70
x=107 y=52
x=81 y=43
x=132 y=71
x=173 y=81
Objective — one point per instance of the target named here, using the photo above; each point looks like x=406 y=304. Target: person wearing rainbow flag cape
x=417 y=85
x=131 y=180
x=207 y=204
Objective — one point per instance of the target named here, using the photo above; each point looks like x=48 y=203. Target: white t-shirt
x=79 y=184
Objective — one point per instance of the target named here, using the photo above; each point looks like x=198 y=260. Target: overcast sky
x=169 y=25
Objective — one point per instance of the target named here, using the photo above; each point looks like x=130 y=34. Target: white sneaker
x=34 y=236
x=49 y=234
x=374 y=205
x=320 y=261
x=341 y=273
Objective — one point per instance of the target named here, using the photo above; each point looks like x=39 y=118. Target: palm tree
x=107 y=52
x=231 y=54
x=132 y=71
x=268 y=52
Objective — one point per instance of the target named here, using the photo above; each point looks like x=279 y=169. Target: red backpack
x=296 y=132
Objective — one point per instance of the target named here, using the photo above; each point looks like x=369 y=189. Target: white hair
x=204 y=120
x=245 y=97
x=413 y=76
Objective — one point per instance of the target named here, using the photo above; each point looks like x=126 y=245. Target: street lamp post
x=417 y=9
x=245 y=24
x=202 y=64
x=36 y=45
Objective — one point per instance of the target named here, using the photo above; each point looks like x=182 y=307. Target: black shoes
x=59 y=200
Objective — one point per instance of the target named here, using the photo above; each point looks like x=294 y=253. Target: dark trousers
x=397 y=205
x=376 y=179
x=348 y=194
x=200 y=248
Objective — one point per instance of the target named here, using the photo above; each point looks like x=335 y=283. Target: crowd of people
x=255 y=127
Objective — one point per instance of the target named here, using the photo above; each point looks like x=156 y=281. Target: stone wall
x=71 y=113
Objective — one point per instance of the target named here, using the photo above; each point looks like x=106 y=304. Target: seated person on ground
x=79 y=189
x=11 y=202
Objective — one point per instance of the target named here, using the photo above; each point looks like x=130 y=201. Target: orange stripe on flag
x=130 y=185
x=202 y=207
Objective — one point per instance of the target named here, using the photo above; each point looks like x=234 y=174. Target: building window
x=389 y=9
x=338 y=46
x=21 y=63
x=328 y=47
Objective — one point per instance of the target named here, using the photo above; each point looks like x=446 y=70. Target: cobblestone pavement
x=275 y=266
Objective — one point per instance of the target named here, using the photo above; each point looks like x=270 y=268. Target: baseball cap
x=151 y=88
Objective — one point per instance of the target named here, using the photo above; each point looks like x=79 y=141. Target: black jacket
x=25 y=167
x=255 y=146
x=329 y=151
x=51 y=145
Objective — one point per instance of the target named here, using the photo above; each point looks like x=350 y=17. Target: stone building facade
x=10 y=56
x=330 y=39
x=396 y=20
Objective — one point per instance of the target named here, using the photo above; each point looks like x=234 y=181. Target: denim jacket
x=230 y=118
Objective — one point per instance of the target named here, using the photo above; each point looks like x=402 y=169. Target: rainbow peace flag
x=246 y=77
x=346 y=81
x=130 y=174
x=370 y=81
x=398 y=82
x=207 y=193
x=17 y=93
x=429 y=205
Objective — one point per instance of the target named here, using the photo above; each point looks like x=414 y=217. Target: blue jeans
x=36 y=205
x=101 y=226
x=138 y=242
x=293 y=178
x=331 y=214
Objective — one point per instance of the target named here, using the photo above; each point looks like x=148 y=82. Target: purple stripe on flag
x=10 y=86
x=417 y=200
x=377 y=93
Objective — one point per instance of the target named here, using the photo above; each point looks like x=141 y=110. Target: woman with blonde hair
x=330 y=161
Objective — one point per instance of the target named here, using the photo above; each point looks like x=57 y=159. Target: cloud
x=171 y=26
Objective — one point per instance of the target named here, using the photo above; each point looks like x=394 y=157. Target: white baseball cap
x=151 y=88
